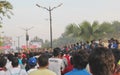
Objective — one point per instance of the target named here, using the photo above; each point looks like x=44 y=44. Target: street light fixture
x=50 y=16
x=27 y=36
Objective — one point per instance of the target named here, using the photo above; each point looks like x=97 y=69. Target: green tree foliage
x=72 y=30
x=5 y=9
x=89 y=31
x=107 y=30
x=86 y=31
x=116 y=28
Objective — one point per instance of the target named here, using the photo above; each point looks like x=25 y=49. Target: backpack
x=69 y=66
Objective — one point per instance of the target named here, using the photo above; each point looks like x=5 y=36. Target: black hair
x=31 y=54
x=10 y=57
x=116 y=53
x=43 y=60
x=80 y=59
x=56 y=51
x=3 y=62
x=15 y=62
x=101 y=61
x=24 y=61
x=61 y=53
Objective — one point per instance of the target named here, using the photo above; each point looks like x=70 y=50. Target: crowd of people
x=111 y=44
x=77 y=59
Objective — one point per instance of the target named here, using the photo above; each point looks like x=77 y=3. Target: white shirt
x=56 y=65
x=16 y=70
x=8 y=65
x=2 y=73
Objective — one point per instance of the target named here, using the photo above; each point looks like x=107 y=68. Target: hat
x=32 y=61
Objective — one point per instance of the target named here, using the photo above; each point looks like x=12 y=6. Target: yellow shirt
x=42 y=72
x=119 y=62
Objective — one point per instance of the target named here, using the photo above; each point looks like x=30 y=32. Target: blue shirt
x=78 y=72
x=20 y=61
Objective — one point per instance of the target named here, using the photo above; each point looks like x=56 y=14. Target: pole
x=18 y=43
x=18 y=37
x=27 y=36
x=50 y=16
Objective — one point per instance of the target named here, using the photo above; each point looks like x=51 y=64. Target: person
x=43 y=65
x=69 y=66
x=32 y=63
x=101 y=61
x=20 y=58
x=30 y=55
x=9 y=61
x=79 y=60
x=16 y=70
x=116 y=53
x=24 y=62
x=3 y=63
x=100 y=44
x=55 y=63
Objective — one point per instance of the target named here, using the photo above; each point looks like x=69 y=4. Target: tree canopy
x=5 y=9
x=87 y=31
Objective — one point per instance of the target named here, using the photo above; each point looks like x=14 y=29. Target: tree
x=106 y=29
x=88 y=31
x=37 y=39
x=5 y=9
x=116 y=28
x=72 y=30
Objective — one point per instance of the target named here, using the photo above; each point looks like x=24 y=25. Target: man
x=32 y=63
x=3 y=62
x=55 y=63
x=101 y=61
x=79 y=60
x=16 y=70
x=116 y=53
x=68 y=66
x=43 y=64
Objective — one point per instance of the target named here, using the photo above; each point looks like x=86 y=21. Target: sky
x=27 y=15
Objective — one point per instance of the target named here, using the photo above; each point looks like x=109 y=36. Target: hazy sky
x=27 y=14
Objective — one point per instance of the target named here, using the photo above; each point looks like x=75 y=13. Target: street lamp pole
x=27 y=36
x=50 y=18
x=18 y=37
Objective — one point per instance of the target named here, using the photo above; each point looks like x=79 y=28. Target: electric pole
x=50 y=18
x=18 y=38
x=27 y=36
